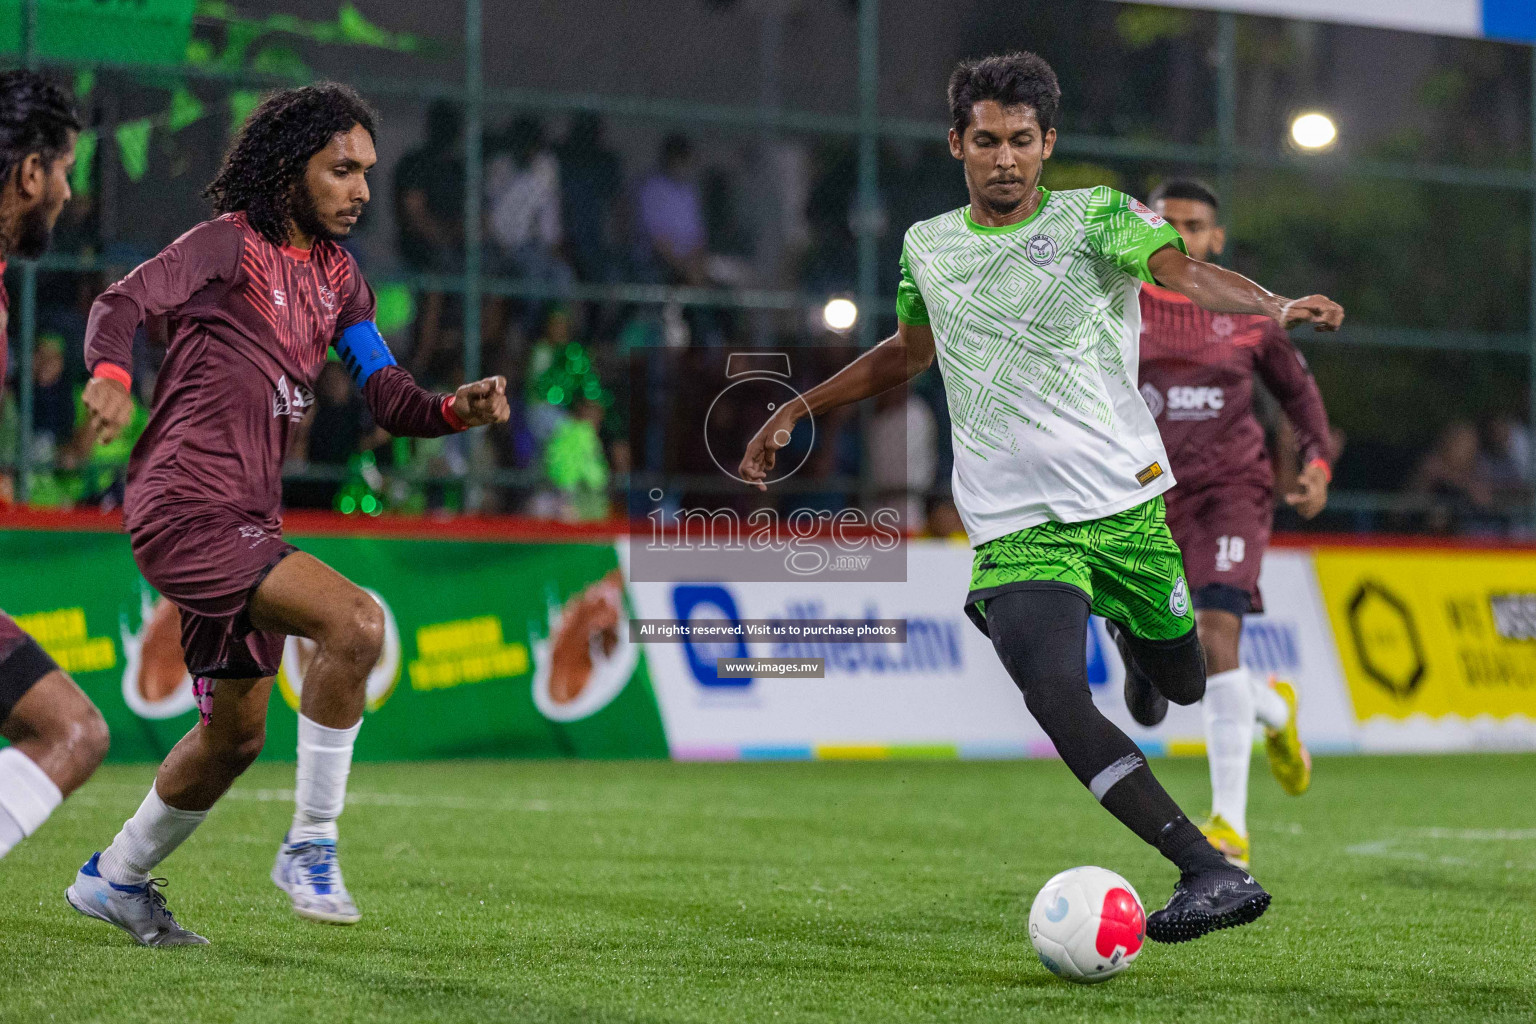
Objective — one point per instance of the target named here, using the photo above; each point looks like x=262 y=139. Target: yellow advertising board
x=1433 y=632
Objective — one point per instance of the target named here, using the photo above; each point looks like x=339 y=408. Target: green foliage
x=186 y=109
x=133 y=146
x=85 y=159
x=396 y=307
x=1395 y=253
x=241 y=51
x=1140 y=27
x=1067 y=174
x=1443 y=87
x=282 y=61
x=241 y=103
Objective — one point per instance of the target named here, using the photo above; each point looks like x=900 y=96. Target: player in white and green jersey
x=1029 y=300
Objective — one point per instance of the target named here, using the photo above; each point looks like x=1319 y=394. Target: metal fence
x=868 y=126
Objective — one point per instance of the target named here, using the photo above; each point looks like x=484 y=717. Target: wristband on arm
x=363 y=351
x=111 y=371
x=451 y=416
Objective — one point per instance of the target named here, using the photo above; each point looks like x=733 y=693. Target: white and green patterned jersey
x=1037 y=327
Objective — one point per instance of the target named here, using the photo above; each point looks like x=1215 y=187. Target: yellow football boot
x=1289 y=761
x=1232 y=843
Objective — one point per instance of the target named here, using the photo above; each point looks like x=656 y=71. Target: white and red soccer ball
x=1087 y=924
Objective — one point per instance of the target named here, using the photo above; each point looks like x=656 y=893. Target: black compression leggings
x=1041 y=637
x=1176 y=667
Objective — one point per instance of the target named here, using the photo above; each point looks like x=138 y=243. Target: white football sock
x=147 y=838
x=1269 y=706
x=27 y=797
x=325 y=760
x=1228 y=712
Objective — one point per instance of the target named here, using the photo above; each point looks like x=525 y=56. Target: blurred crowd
x=563 y=209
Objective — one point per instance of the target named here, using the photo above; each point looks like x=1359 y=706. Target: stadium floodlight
x=1314 y=131
x=840 y=315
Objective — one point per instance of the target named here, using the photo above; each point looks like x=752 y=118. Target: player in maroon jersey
x=56 y=734
x=1197 y=371
x=254 y=298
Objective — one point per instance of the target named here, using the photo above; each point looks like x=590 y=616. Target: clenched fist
x=111 y=407
x=1318 y=310
x=484 y=401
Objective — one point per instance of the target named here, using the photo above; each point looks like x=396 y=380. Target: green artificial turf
x=1405 y=890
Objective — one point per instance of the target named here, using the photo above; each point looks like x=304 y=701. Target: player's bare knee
x=238 y=752
x=89 y=740
x=358 y=637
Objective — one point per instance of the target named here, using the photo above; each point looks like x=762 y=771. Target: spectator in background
x=522 y=202
x=429 y=215
x=1452 y=477
x=522 y=192
x=429 y=195
x=1506 y=457
x=672 y=242
x=53 y=401
x=591 y=180
x=576 y=466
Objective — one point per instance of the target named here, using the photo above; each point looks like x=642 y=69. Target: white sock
x=147 y=838
x=1269 y=706
x=27 y=797
x=325 y=760
x=1228 y=708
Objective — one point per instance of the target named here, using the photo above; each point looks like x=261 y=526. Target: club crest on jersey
x=1223 y=326
x=327 y=297
x=1146 y=213
x=1178 y=601
x=1041 y=250
x=1153 y=398
x=290 y=401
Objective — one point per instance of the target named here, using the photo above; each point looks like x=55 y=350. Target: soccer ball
x=1087 y=924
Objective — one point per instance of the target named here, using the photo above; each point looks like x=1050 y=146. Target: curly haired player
x=56 y=734
x=254 y=298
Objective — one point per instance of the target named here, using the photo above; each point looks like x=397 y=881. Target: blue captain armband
x=363 y=351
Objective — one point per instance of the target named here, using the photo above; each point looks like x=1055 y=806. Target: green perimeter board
x=453 y=588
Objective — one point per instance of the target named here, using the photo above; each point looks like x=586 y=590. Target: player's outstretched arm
x=1224 y=291
x=894 y=361
x=406 y=409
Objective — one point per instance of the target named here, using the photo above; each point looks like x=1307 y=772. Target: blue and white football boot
x=139 y=910
x=311 y=876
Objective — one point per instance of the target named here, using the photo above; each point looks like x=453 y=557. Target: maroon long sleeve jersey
x=1197 y=370
x=250 y=323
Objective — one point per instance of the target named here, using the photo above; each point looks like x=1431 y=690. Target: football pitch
x=641 y=891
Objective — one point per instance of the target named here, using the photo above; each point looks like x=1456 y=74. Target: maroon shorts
x=1222 y=530
x=209 y=562
x=22 y=664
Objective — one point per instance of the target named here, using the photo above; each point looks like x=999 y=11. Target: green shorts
x=1126 y=565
